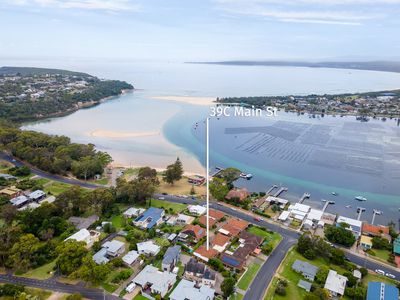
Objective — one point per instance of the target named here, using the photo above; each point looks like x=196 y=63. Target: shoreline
x=122 y=135
x=116 y=165
x=194 y=100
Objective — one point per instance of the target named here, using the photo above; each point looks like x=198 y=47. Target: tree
x=321 y=275
x=381 y=243
x=339 y=235
x=71 y=254
x=228 y=286
x=148 y=173
x=8 y=213
x=173 y=172
x=8 y=237
x=135 y=191
x=22 y=252
x=337 y=256
x=218 y=189
x=89 y=271
x=216 y=264
x=74 y=297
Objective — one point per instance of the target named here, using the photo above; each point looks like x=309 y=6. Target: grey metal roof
x=305 y=268
x=171 y=254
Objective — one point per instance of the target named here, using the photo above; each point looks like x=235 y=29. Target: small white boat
x=348 y=206
x=334 y=193
x=360 y=198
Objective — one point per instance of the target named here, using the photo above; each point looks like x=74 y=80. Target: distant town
x=384 y=105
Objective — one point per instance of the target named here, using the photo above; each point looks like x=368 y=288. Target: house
x=382 y=291
x=197 y=210
x=148 y=248
x=114 y=248
x=151 y=280
x=83 y=223
x=357 y=274
x=20 y=201
x=204 y=254
x=7 y=176
x=189 y=290
x=214 y=217
x=172 y=237
x=109 y=250
x=184 y=219
x=376 y=230
x=278 y=201
x=396 y=246
x=238 y=194
x=130 y=257
x=233 y=227
x=171 y=220
x=354 y=225
x=306 y=269
x=196 y=232
x=305 y=285
x=84 y=235
x=197 y=271
x=249 y=244
x=11 y=192
x=196 y=180
x=366 y=242
x=335 y=284
x=194 y=269
x=133 y=212
x=37 y=195
x=171 y=257
x=150 y=218
x=220 y=242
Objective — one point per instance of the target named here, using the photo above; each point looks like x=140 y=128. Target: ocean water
x=318 y=156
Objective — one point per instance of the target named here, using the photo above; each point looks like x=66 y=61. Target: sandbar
x=187 y=99
x=122 y=134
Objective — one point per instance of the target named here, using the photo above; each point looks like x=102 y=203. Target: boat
x=334 y=193
x=246 y=176
x=348 y=206
x=360 y=198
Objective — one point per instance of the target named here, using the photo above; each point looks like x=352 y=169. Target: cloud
x=330 y=12
x=101 y=5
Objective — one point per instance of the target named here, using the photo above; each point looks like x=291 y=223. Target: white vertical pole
x=207 y=180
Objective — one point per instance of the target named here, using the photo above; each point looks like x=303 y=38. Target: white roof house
x=100 y=257
x=315 y=215
x=133 y=212
x=82 y=235
x=130 y=257
x=197 y=209
x=148 y=247
x=184 y=219
x=114 y=247
x=37 y=195
x=158 y=282
x=282 y=202
x=284 y=215
x=19 y=201
x=335 y=283
x=355 y=225
x=187 y=290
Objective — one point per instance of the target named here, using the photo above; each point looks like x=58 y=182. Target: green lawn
x=381 y=254
x=42 y=181
x=236 y=296
x=56 y=188
x=41 y=272
x=176 y=207
x=109 y=287
x=102 y=181
x=248 y=277
x=273 y=238
x=140 y=297
x=118 y=221
x=163 y=242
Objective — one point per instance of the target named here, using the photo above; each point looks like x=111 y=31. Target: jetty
x=280 y=191
x=218 y=170
x=304 y=197
x=271 y=189
x=327 y=202
x=374 y=213
x=360 y=210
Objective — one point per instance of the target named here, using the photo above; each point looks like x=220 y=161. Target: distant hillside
x=386 y=66
x=28 y=71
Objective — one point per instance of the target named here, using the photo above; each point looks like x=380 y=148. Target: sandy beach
x=207 y=101
x=120 y=134
x=118 y=165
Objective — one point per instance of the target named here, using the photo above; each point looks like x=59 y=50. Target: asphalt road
x=53 y=285
x=18 y=163
x=264 y=276
x=268 y=269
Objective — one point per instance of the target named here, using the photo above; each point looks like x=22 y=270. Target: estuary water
x=314 y=155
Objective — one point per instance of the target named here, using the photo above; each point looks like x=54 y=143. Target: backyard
x=273 y=238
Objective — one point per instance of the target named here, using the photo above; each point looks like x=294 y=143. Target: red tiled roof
x=217 y=215
x=373 y=229
x=195 y=230
x=202 y=250
x=220 y=240
x=235 y=226
x=241 y=194
x=203 y=220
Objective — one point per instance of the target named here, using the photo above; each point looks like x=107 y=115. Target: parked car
x=390 y=275
x=380 y=272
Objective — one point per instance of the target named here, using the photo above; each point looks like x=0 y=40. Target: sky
x=201 y=30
